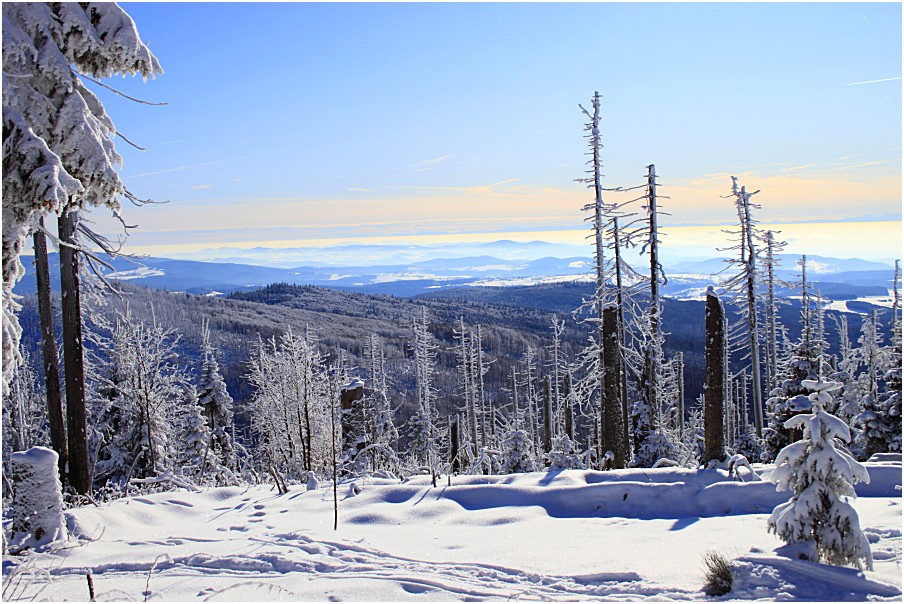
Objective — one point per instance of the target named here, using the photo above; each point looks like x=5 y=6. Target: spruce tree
x=216 y=404
x=821 y=476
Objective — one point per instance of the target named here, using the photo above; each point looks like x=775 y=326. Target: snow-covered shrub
x=562 y=457
x=516 y=452
x=37 y=499
x=747 y=444
x=656 y=446
x=820 y=477
x=717 y=572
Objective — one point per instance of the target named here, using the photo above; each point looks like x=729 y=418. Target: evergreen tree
x=196 y=458
x=216 y=404
x=820 y=475
x=58 y=152
x=517 y=453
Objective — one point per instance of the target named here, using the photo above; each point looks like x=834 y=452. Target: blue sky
x=289 y=123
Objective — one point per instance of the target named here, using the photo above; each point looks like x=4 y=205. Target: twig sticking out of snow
x=167 y=477
x=738 y=461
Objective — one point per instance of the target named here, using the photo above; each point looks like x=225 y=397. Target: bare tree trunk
x=547 y=416
x=713 y=394
x=453 y=445
x=73 y=357
x=653 y=369
x=611 y=421
x=49 y=350
x=619 y=303
x=479 y=379
x=752 y=319
x=569 y=410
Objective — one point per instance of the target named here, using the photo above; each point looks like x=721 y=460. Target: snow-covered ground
x=621 y=535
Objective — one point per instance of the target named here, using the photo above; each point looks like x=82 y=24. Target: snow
x=138 y=273
x=525 y=281
x=567 y=535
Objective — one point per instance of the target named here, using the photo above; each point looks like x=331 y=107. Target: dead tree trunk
x=569 y=409
x=453 y=445
x=611 y=420
x=620 y=305
x=547 y=416
x=49 y=350
x=713 y=411
x=73 y=356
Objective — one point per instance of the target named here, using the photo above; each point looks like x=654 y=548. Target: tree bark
x=49 y=350
x=73 y=357
x=547 y=416
x=611 y=420
x=453 y=445
x=714 y=437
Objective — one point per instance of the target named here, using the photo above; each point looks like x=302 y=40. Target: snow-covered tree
x=383 y=434
x=562 y=456
x=144 y=388
x=291 y=406
x=423 y=446
x=216 y=404
x=517 y=453
x=821 y=476
x=58 y=151
x=24 y=411
x=196 y=458
x=875 y=431
x=743 y=287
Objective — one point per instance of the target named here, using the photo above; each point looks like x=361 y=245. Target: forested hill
x=512 y=320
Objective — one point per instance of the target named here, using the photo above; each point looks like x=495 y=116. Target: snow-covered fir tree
x=58 y=151
x=216 y=404
x=196 y=458
x=821 y=476
x=517 y=453
x=875 y=433
x=562 y=456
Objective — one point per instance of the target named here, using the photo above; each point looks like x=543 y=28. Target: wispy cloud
x=472 y=189
x=361 y=189
x=178 y=168
x=804 y=167
x=199 y=187
x=873 y=81
x=430 y=162
x=866 y=164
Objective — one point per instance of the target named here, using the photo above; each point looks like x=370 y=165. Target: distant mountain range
x=838 y=279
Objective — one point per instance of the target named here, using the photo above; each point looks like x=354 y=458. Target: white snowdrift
x=571 y=535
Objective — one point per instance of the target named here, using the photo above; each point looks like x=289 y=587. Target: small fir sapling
x=821 y=477
x=562 y=457
x=517 y=452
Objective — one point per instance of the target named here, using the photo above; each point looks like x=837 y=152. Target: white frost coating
x=353 y=384
x=37 y=499
x=58 y=152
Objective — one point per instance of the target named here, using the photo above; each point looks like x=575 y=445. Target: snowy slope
x=631 y=534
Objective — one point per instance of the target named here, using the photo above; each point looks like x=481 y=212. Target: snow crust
x=568 y=535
